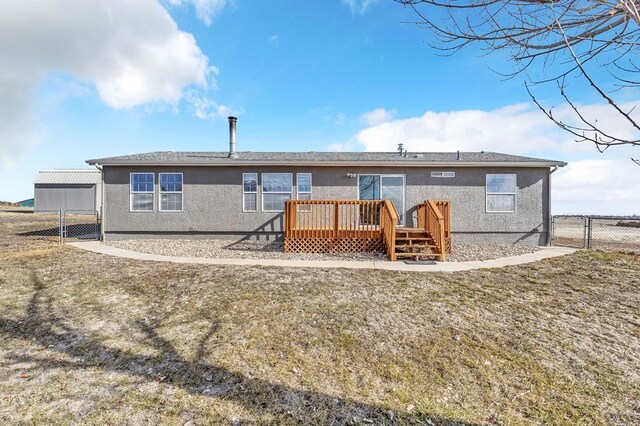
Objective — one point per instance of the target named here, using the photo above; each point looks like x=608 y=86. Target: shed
x=68 y=189
x=25 y=203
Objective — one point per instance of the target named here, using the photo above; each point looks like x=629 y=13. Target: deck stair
x=415 y=244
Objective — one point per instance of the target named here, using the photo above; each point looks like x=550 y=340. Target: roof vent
x=401 y=150
x=458 y=155
x=419 y=155
x=232 y=137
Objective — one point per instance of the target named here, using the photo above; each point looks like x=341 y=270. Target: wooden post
x=287 y=217
x=443 y=243
x=336 y=218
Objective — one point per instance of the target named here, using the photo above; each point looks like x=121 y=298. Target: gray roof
x=327 y=159
x=68 y=176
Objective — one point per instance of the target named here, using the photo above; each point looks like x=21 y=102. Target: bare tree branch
x=558 y=39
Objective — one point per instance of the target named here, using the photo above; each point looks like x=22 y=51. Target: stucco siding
x=470 y=223
x=212 y=200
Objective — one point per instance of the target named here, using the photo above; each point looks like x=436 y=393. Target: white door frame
x=382 y=175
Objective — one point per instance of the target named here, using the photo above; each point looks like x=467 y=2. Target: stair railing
x=435 y=226
x=445 y=208
x=388 y=222
x=431 y=219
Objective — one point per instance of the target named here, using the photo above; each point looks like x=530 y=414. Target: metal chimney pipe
x=232 y=137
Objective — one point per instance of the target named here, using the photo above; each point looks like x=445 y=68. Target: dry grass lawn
x=91 y=339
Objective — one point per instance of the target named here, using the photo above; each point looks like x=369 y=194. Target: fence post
x=60 y=227
x=589 y=234
x=552 y=231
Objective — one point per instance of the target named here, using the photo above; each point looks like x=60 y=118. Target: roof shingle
x=346 y=158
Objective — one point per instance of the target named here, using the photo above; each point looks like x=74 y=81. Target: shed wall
x=64 y=197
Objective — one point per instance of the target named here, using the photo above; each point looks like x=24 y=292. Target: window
x=501 y=193
x=249 y=192
x=276 y=189
x=141 y=192
x=170 y=192
x=443 y=174
x=303 y=186
x=303 y=182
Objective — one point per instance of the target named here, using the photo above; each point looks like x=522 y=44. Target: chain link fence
x=43 y=225
x=61 y=225
x=621 y=233
x=80 y=225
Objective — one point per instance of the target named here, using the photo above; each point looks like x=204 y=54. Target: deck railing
x=435 y=217
x=332 y=218
x=339 y=225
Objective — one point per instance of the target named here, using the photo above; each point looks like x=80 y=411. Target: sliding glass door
x=383 y=187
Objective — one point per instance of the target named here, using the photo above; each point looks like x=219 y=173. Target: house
x=494 y=198
x=78 y=190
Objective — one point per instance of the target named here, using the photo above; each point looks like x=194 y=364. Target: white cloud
x=206 y=10
x=348 y=146
x=523 y=129
x=377 y=116
x=515 y=128
x=207 y=109
x=518 y=128
x=18 y=132
x=597 y=186
x=359 y=7
x=131 y=51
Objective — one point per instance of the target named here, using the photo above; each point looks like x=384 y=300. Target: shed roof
x=463 y=159
x=68 y=176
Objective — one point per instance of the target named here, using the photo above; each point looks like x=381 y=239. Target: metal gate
x=569 y=231
x=80 y=225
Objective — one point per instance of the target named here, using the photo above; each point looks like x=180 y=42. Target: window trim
x=131 y=192
x=298 y=192
x=263 y=192
x=160 y=192
x=244 y=210
x=487 y=193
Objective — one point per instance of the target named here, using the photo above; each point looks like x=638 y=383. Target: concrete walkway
x=543 y=253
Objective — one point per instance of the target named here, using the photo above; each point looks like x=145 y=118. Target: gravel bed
x=473 y=252
x=224 y=249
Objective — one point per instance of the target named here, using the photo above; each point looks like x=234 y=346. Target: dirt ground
x=92 y=339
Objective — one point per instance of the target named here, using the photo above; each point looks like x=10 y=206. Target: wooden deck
x=328 y=226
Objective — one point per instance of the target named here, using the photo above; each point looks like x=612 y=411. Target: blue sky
x=300 y=75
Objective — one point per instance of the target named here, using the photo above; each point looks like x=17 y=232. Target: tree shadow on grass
x=43 y=326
